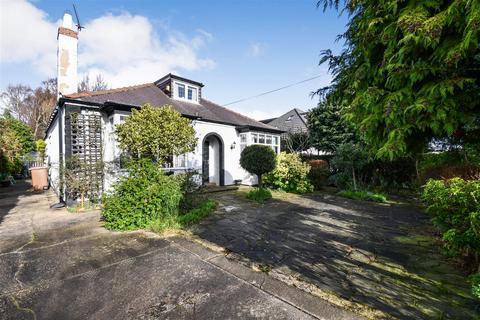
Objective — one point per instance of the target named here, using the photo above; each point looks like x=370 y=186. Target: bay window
x=270 y=140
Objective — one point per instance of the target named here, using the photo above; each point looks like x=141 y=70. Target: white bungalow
x=83 y=124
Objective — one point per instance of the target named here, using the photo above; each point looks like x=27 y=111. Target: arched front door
x=212 y=160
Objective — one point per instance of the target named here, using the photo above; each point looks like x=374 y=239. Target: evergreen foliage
x=327 y=128
x=455 y=207
x=146 y=194
x=348 y=161
x=290 y=174
x=156 y=132
x=258 y=159
x=410 y=72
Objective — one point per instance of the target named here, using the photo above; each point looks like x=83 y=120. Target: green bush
x=290 y=174
x=363 y=195
x=259 y=195
x=349 y=159
x=145 y=195
x=318 y=177
x=455 y=207
x=475 y=280
x=258 y=159
x=188 y=186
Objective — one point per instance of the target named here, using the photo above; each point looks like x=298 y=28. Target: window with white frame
x=243 y=141
x=185 y=91
x=180 y=90
x=265 y=139
x=192 y=94
x=180 y=161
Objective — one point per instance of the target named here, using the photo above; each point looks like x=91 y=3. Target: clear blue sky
x=236 y=48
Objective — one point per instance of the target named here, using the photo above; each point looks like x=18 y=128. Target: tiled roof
x=293 y=121
x=150 y=93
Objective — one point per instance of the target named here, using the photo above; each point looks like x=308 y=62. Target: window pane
x=181 y=90
x=254 y=138
x=192 y=93
x=261 y=138
x=275 y=149
x=276 y=141
x=269 y=140
x=243 y=138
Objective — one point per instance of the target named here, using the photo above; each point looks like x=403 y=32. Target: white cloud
x=256 y=49
x=26 y=35
x=125 y=48
x=261 y=115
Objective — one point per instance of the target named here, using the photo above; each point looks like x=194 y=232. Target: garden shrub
x=475 y=280
x=317 y=163
x=258 y=159
x=455 y=207
x=348 y=161
x=259 y=195
x=319 y=173
x=389 y=174
x=290 y=174
x=449 y=164
x=144 y=195
x=318 y=177
x=188 y=185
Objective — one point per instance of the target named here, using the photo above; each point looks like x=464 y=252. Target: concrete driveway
x=60 y=265
x=382 y=260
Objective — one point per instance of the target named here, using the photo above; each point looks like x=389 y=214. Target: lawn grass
x=259 y=195
x=363 y=195
x=181 y=221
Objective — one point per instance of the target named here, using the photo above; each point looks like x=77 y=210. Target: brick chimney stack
x=67 y=40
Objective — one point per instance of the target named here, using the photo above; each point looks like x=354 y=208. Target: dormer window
x=179 y=88
x=186 y=91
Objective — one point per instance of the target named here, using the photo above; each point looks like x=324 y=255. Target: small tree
x=349 y=158
x=258 y=159
x=41 y=146
x=327 y=128
x=296 y=142
x=156 y=132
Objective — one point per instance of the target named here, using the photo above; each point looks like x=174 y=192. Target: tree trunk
x=417 y=171
x=354 y=179
x=260 y=184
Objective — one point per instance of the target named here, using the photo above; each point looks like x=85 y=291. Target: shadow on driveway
x=9 y=196
x=380 y=255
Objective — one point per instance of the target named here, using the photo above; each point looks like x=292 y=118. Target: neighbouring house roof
x=294 y=120
x=136 y=96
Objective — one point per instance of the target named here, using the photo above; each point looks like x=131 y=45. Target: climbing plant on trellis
x=83 y=174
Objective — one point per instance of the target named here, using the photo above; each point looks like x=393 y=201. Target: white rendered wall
x=232 y=169
x=229 y=134
x=52 y=153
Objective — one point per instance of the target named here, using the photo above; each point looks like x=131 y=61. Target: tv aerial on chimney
x=79 y=26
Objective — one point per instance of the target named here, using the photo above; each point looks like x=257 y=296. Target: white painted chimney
x=67 y=40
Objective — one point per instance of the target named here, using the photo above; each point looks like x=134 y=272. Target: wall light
x=233 y=145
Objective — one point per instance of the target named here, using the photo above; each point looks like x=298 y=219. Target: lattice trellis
x=85 y=154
